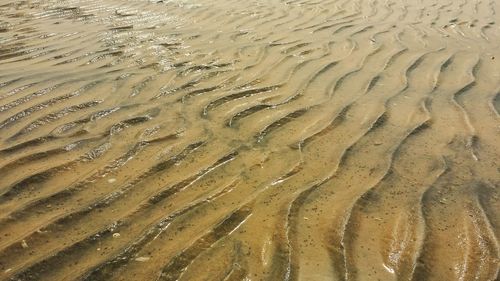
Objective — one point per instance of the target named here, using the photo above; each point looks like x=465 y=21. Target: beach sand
x=249 y=140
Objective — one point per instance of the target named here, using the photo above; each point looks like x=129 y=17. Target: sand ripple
x=249 y=140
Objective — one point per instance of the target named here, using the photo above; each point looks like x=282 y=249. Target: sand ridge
x=249 y=140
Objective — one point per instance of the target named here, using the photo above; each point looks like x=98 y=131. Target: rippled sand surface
x=249 y=140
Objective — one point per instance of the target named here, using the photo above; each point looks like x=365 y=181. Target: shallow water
x=249 y=140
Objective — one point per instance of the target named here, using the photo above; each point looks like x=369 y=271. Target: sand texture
x=250 y=140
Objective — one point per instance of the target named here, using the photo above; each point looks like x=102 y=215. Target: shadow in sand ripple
x=249 y=140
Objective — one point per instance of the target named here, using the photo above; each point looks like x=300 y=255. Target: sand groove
x=249 y=140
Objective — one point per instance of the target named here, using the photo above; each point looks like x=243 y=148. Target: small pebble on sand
x=142 y=259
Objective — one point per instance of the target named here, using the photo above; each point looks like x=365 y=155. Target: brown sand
x=249 y=140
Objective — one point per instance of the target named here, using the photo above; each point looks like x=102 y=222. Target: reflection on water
x=249 y=140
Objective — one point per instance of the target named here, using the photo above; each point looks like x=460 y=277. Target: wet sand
x=249 y=140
